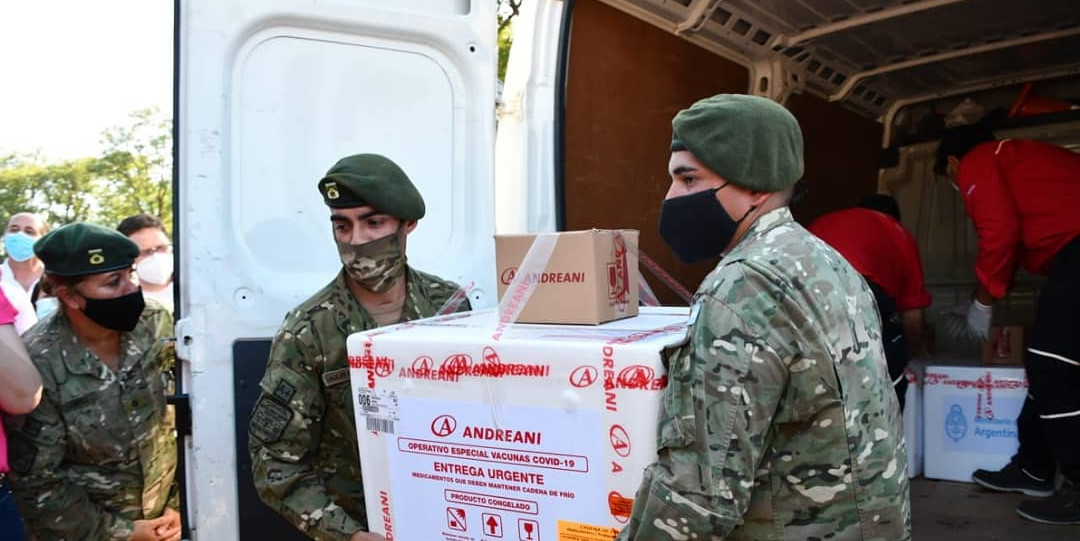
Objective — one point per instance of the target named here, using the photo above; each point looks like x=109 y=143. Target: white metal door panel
x=272 y=93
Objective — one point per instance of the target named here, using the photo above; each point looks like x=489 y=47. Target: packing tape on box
x=645 y=293
x=664 y=277
x=524 y=283
x=454 y=302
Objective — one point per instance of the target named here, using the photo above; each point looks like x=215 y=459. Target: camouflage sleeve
x=52 y=505
x=285 y=431
x=724 y=386
x=174 y=497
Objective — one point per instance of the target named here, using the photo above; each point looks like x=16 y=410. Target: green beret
x=375 y=181
x=82 y=248
x=749 y=141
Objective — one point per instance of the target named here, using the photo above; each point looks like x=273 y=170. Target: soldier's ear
x=67 y=296
x=408 y=226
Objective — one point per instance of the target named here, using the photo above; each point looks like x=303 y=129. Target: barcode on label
x=375 y=424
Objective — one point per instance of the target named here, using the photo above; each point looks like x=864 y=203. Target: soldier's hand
x=366 y=536
x=146 y=530
x=170 y=531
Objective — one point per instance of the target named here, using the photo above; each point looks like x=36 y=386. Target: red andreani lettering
x=380 y=366
x=640 y=377
x=388 y=523
x=609 y=378
x=501 y=434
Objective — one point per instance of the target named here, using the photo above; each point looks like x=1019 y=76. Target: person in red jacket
x=871 y=238
x=1024 y=199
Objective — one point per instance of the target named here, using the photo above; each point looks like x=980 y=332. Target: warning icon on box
x=528 y=530
x=492 y=524
x=455 y=519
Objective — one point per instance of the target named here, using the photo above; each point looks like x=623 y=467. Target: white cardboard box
x=529 y=432
x=913 y=422
x=970 y=419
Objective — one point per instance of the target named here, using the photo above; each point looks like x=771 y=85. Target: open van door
x=271 y=94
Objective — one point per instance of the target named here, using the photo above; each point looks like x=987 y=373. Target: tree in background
x=508 y=9
x=136 y=168
x=133 y=174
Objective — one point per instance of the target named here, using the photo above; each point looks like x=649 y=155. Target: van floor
x=964 y=511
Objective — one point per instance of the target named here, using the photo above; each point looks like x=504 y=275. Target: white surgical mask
x=156 y=269
x=46 y=306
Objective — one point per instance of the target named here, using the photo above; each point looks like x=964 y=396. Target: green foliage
x=133 y=175
x=137 y=168
x=508 y=9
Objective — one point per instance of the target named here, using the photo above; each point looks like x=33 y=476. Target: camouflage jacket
x=304 y=453
x=779 y=420
x=100 y=450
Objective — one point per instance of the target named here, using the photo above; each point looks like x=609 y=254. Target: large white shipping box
x=474 y=430
x=970 y=419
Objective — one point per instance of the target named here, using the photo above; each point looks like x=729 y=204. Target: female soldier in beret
x=97 y=459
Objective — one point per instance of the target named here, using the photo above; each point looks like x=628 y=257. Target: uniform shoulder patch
x=284 y=391
x=269 y=419
x=333 y=377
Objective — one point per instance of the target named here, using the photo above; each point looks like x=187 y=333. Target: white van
x=271 y=93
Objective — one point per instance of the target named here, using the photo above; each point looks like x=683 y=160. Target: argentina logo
x=956 y=423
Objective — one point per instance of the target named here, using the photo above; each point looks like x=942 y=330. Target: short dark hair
x=958 y=142
x=138 y=222
x=881 y=203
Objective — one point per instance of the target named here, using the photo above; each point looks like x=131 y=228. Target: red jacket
x=1024 y=199
x=880 y=249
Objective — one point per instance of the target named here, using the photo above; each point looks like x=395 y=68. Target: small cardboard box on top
x=590 y=278
x=468 y=430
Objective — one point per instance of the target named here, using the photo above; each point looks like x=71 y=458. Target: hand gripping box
x=541 y=434
x=969 y=419
x=590 y=276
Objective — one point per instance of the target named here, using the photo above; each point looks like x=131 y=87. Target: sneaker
x=1062 y=508
x=1014 y=478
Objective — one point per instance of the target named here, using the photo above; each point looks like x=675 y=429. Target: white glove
x=978 y=319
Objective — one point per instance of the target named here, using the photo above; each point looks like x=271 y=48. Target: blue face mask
x=46 y=306
x=19 y=246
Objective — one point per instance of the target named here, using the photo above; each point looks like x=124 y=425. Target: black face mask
x=696 y=226
x=119 y=314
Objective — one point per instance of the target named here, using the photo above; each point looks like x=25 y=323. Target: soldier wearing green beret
x=304 y=453
x=779 y=420
x=97 y=459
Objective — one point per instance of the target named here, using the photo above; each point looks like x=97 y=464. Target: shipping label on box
x=542 y=433
x=590 y=277
x=969 y=419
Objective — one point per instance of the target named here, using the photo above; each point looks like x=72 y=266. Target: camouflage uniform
x=304 y=453
x=779 y=420
x=100 y=450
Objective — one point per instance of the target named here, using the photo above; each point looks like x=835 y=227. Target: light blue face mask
x=46 y=306
x=19 y=246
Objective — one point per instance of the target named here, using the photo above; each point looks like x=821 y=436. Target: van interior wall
x=626 y=80
x=841 y=150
